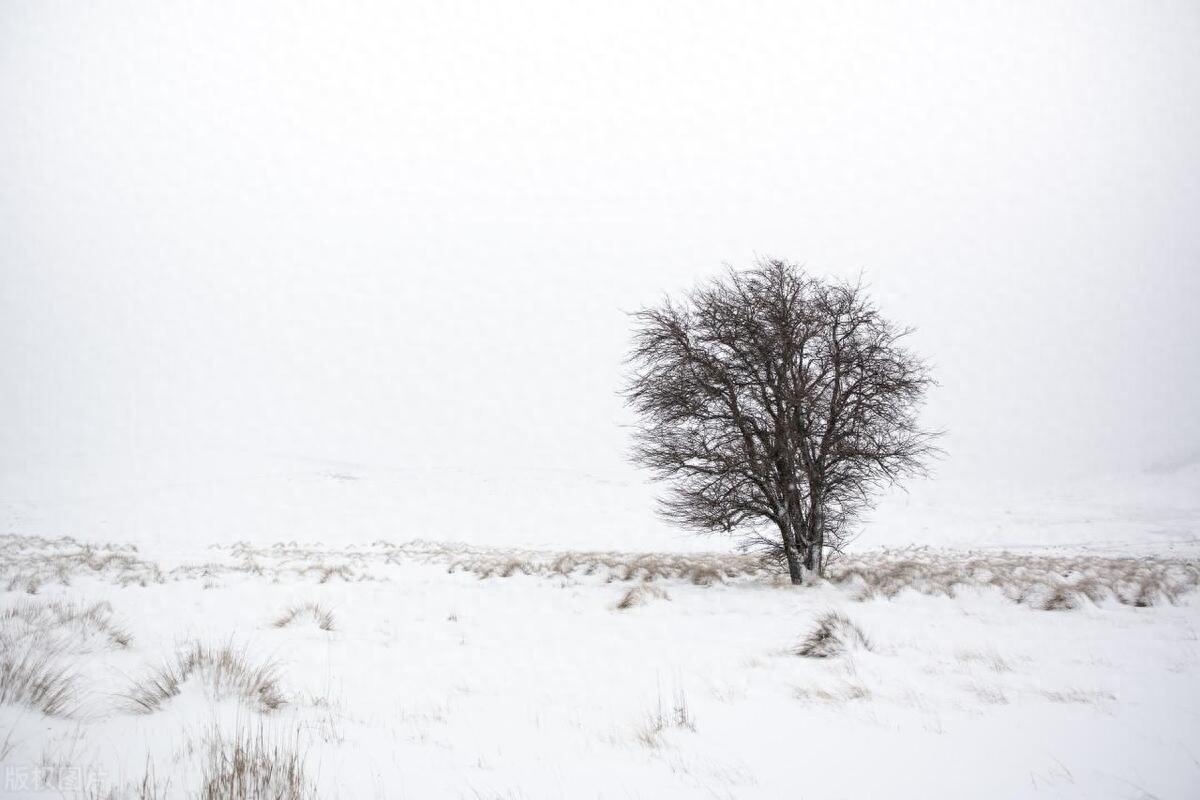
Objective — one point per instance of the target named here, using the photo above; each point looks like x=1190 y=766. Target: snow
x=175 y=505
x=436 y=682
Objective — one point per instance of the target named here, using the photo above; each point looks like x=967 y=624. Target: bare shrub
x=640 y=595
x=31 y=674
x=223 y=672
x=833 y=635
x=321 y=616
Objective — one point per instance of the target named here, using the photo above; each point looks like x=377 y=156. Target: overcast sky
x=407 y=233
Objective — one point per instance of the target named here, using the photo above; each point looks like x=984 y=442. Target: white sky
x=405 y=233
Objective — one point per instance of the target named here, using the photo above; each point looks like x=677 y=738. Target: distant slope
x=177 y=507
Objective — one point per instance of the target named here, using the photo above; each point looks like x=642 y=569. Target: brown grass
x=29 y=562
x=1046 y=582
x=31 y=674
x=321 y=616
x=641 y=595
x=1078 y=696
x=662 y=718
x=992 y=695
x=76 y=627
x=843 y=693
x=224 y=672
x=833 y=635
x=38 y=640
x=250 y=765
x=700 y=568
x=992 y=659
x=1039 y=581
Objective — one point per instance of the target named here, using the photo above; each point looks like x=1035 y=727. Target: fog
x=408 y=234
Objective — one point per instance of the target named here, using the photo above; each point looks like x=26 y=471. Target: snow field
x=401 y=671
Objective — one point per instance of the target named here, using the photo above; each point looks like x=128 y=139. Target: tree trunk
x=814 y=543
x=795 y=560
x=814 y=560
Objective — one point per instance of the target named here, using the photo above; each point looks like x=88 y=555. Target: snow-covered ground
x=525 y=667
x=175 y=505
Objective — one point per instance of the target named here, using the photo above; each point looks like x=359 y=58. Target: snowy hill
x=170 y=506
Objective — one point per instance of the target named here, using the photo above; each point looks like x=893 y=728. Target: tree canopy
x=771 y=399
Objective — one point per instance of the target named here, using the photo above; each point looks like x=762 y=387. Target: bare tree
x=774 y=401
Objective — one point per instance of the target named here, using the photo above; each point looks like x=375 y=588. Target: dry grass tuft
x=223 y=672
x=8 y=745
x=1078 y=696
x=1049 y=582
x=700 y=568
x=1039 y=581
x=678 y=716
x=1060 y=598
x=844 y=693
x=992 y=695
x=320 y=615
x=833 y=635
x=252 y=766
x=37 y=641
x=990 y=658
x=31 y=674
x=641 y=595
x=1055 y=582
x=706 y=575
x=29 y=562
x=71 y=626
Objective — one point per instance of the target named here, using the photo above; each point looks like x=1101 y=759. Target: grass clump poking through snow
x=833 y=635
x=251 y=766
x=661 y=719
x=699 y=568
x=1046 y=582
x=641 y=595
x=320 y=615
x=74 y=627
x=32 y=675
x=28 y=562
x=38 y=639
x=223 y=672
